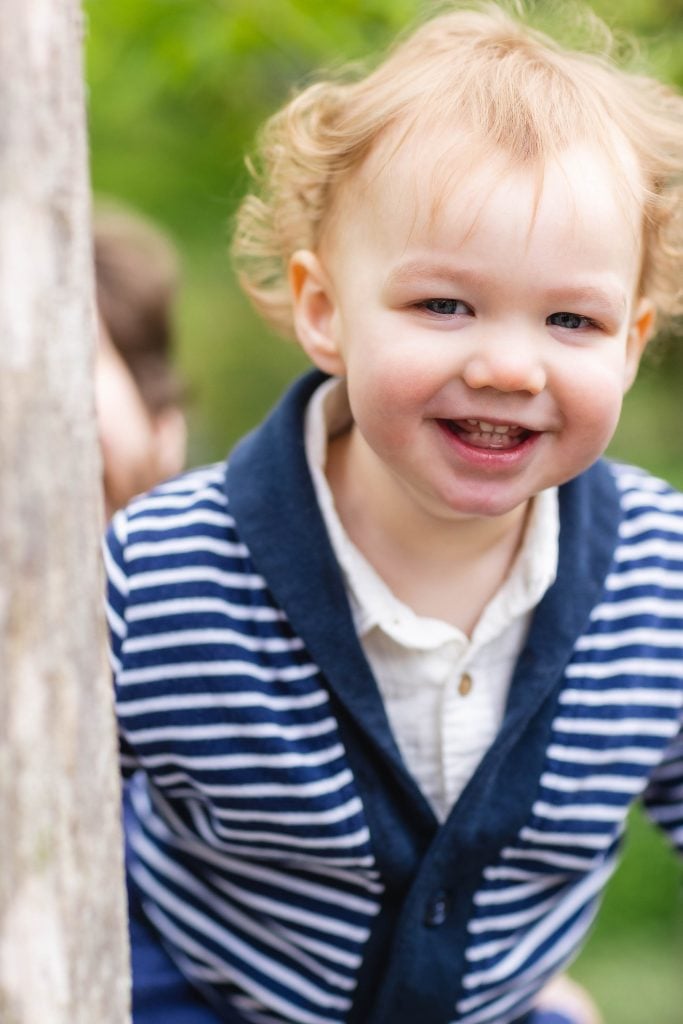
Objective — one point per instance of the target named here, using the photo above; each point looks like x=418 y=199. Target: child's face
x=139 y=448
x=487 y=341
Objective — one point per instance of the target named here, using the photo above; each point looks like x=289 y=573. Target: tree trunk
x=63 y=957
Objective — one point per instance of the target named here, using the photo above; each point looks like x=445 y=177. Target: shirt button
x=437 y=911
x=465 y=684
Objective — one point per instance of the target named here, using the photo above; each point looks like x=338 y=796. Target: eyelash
x=430 y=304
x=587 y=321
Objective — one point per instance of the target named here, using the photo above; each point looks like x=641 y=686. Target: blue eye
x=571 y=321
x=446 y=307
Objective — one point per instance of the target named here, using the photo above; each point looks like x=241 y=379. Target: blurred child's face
x=488 y=339
x=139 y=448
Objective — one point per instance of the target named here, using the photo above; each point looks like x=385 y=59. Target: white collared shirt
x=444 y=692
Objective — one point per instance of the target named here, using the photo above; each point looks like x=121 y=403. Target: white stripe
x=649 y=698
x=119 y=527
x=196 y=574
x=586 y=840
x=203 y=516
x=186 y=637
x=303 y=861
x=651 y=575
x=283 y=840
x=503 y=872
x=657 y=521
x=661 y=607
x=116 y=623
x=491 y=897
x=669 y=501
x=232 y=762
x=242 y=699
x=334 y=954
x=630 y=637
x=632 y=477
x=322 y=868
x=486 y=950
x=579 y=812
x=262 y=790
x=263 y=730
x=614 y=726
x=506 y=922
x=598 y=783
x=627 y=666
x=653 y=547
x=179 y=498
x=556 y=860
x=198 y=669
x=202 y=606
x=329 y=816
x=619 y=755
x=186 y=545
x=115 y=574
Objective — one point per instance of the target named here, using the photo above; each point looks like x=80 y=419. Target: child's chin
x=487 y=507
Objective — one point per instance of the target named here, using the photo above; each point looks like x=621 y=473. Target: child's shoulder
x=189 y=505
x=640 y=491
x=651 y=516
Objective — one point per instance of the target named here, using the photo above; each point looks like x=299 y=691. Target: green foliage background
x=177 y=89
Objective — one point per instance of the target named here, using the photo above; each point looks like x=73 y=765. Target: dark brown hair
x=136 y=278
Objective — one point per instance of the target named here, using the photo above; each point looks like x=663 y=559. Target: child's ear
x=639 y=334
x=314 y=308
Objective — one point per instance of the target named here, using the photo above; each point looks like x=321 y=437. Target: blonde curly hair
x=509 y=88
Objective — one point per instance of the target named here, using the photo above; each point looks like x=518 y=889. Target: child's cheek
x=594 y=404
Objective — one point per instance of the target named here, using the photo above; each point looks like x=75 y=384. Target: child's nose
x=506 y=365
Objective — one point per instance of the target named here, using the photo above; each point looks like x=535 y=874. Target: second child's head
x=479 y=236
x=139 y=395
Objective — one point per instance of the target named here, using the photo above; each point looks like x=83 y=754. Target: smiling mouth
x=481 y=434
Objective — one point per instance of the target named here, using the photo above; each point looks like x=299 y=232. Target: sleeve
x=115 y=609
x=663 y=797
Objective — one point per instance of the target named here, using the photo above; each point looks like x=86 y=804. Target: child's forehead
x=421 y=209
x=415 y=175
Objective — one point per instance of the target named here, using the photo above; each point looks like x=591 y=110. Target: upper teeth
x=490 y=428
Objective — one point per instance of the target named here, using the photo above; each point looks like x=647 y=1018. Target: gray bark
x=63 y=955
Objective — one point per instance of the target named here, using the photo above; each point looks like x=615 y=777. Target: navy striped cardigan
x=278 y=843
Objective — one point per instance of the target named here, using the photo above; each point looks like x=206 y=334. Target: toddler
x=389 y=680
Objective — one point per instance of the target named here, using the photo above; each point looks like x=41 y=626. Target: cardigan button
x=438 y=909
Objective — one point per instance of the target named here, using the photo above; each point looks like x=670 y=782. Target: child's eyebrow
x=607 y=298
x=415 y=271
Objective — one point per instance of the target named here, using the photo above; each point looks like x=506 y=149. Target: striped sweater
x=280 y=847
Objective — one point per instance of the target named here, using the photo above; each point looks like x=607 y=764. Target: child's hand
x=567 y=997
